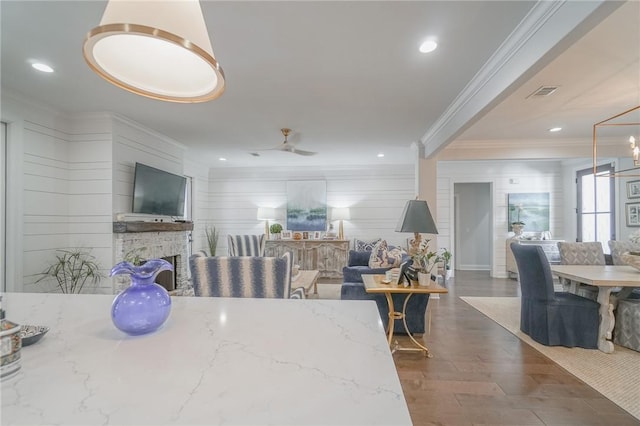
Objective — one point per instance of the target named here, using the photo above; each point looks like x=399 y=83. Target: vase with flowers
x=517 y=226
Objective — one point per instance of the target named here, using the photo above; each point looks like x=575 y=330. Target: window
x=596 y=205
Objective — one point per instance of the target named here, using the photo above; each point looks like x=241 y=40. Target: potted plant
x=423 y=261
x=275 y=230
x=72 y=269
x=518 y=226
x=212 y=239
x=445 y=258
x=134 y=256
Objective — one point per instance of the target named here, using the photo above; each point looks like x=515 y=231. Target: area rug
x=327 y=291
x=615 y=375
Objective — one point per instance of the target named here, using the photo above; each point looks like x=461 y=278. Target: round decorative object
x=143 y=306
x=517 y=229
x=10 y=345
x=631 y=259
x=32 y=333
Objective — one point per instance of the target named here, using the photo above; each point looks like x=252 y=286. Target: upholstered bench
x=627 y=328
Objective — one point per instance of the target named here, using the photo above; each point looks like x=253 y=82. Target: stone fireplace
x=153 y=240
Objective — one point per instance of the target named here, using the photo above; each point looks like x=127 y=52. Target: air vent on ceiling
x=543 y=91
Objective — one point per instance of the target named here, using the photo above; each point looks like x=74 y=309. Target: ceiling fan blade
x=301 y=152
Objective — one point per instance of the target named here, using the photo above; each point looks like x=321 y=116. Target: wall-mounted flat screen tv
x=158 y=192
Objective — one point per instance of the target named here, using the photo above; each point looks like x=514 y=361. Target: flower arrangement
x=518 y=208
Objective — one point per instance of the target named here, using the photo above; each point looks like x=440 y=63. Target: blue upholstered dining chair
x=548 y=317
x=245 y=276
x=246 y=245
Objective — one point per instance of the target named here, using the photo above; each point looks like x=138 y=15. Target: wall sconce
x=340 y=213
x=266 y=214
x=625 y=118
x=157 y=49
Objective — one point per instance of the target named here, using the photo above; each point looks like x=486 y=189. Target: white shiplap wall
x=375 y=196
x=533 y=176
x=134 y=143
x=199 y=175
x=68 y=177
x=66 y=197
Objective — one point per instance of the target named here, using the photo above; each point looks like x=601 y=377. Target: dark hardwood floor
x=482 y=374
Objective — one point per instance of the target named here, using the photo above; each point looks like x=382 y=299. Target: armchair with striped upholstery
x=246 y=245
x=243 y=276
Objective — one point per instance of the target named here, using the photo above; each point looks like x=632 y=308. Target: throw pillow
x=383 y=256
x=362 y=245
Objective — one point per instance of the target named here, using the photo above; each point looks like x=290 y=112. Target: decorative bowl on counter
x=631 y=258
x=32 y=333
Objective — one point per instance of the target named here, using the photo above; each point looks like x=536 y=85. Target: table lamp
x=340 y=213
x=266 y=214
x=416 y=218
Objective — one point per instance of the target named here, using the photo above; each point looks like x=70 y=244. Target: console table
x=550 y=248
x=326 y=256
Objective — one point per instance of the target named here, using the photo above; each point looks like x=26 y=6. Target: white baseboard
x=474 y=268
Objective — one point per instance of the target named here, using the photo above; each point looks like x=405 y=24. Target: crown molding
x=549 y=28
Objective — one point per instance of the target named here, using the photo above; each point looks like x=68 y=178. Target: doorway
x=472 y=221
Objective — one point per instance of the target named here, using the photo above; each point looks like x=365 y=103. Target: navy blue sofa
x=353 y=289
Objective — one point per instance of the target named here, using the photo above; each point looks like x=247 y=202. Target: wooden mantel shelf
x=122 y=227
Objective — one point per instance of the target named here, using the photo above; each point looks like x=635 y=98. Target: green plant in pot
x=275 y=230
x=72 y=270
x=134 y=256
x=212 y=239
x=445 y=258
x=423 y=261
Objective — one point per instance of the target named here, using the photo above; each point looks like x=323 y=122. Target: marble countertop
x=215 y=361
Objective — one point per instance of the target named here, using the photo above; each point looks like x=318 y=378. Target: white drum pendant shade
x=156 y=48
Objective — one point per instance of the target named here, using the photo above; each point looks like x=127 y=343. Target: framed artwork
x=532 y=209
x=286 y=235
x=633 y=214
x=307 y=205
x=317 y=235
x=633 y=189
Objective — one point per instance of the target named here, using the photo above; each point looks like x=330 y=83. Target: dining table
x=215 y=361
x=605 y=278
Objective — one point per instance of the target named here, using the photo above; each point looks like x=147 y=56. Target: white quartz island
x=215 y=361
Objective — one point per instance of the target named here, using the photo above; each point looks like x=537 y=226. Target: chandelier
x=631 y=122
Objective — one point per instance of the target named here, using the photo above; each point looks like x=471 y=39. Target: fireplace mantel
x=139 y=226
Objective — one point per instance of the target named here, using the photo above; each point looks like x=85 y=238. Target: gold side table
x=373 y=284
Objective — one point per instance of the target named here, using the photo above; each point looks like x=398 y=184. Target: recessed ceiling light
x=222 y=159
x=428 y=46
x=555 y=129
x=42 y=67
x=380 y=155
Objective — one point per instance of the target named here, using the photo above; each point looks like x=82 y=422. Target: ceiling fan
x=286 y=146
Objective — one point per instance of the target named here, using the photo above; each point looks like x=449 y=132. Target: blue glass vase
x=143 y=306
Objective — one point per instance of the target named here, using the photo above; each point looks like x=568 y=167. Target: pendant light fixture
x=630 y=121
x=156 y=48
